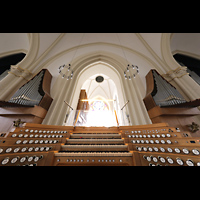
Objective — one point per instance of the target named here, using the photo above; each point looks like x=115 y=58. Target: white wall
x=10 y=42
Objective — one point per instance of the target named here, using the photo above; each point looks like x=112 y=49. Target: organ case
x=165 y=104
x=30 y=102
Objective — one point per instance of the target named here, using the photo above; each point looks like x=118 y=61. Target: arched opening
x=103 y=96
x=192 y=64
x=134 y=112
x=7 y=61
x=185 y=50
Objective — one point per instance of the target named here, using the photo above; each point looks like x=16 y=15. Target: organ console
x=157 y=144
x=140 y=145
x=165 y=104
x=30 y=102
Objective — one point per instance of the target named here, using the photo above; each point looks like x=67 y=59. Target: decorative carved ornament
x=177 y=73
x=20 y=72
x=17 y=123
x=193 y=127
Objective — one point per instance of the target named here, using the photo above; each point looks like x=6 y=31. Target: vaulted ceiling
x=55 y=49
x=105 y=89
x=20 y=41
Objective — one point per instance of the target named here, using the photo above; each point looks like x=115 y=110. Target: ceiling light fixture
x=131 y=71
x=68 y=74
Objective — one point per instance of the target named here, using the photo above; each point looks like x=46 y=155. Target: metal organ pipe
x=166 y=94
x=29 y=89
x=17 y=97
x=33 y=93
x=167 y=90
x=161 y=94
x=29 y=94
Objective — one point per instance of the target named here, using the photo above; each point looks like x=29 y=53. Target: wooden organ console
x=141 y=145
x=30 y=102
x=165 y=104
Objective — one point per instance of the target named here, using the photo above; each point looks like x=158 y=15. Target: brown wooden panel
x=148 y=100
x=158 y=111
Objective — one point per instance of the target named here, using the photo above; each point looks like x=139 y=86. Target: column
x=185 y=82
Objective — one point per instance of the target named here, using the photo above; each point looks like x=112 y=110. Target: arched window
x=98 y=105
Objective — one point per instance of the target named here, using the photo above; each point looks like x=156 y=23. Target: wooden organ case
x=141 y=145
x=165 y=104
x=30 y=103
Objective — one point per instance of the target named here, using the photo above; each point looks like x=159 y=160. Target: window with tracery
x=98 y=106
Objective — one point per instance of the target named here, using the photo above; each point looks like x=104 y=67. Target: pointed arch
x=81 y=66
x=166 y=52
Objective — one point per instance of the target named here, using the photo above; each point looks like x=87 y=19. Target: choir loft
x=99 y=99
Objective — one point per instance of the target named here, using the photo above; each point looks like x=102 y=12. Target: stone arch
x=80 y=66
x=27 y=43
x=19 y=73
x=58 y=109
x=166 y=52
x=179 y=75
x=34 y=41
x=92 y=69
